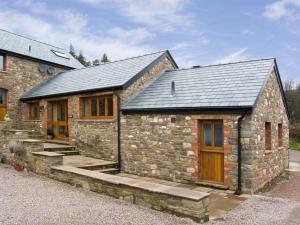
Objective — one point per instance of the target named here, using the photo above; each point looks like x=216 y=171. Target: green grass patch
x=295 y=144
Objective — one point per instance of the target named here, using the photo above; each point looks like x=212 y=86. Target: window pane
x=85 y=108
x=110 y=106
x=2 y=97
x=218 y=135
x=34 y=111
x=207 y=138
x=1 y=63
x=63 y=112
x=102 y=106
x=94 y=107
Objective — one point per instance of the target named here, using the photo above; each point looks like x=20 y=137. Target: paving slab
x=83 y=161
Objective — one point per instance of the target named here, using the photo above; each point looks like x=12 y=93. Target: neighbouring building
x=24 y=63
x=224 y=125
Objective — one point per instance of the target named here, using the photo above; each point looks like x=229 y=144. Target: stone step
x=36 y=136
x=69 y=152
x=109 y=171
x=52 y=147
x=100 y=166
x=88 y=163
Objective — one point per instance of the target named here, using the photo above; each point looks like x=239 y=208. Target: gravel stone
x=26 y=198
x=261 y=210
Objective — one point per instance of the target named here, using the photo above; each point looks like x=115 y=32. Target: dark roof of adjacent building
x=111 y=75
x=231 y=85
x=26 y=47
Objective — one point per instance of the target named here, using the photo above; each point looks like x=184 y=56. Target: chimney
x=29 y=48
x=173 y=88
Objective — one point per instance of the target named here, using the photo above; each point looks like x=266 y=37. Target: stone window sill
x=5 y=72
x=32 y=120
x=97 y=120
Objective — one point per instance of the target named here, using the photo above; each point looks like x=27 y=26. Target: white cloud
x=136 y=35
x=280 y=9
x=247 y=32
x=236 y=56
x=62 y=27
x=163 y=15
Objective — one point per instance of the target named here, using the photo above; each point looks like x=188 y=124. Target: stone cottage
x=222 y=125
x=24 y=63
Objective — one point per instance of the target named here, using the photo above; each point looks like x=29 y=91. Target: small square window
x=268 y=136
x=280 y=134
x=34 y=110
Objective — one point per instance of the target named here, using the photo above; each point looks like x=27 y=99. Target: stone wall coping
x=47 y=154
x=31 y=140
x=135 y=183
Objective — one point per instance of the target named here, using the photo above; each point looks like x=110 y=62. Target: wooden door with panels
x=211 y=156
x=3 y=103
x=58 y=119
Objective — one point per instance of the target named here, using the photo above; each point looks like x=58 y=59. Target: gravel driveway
x=30 y=199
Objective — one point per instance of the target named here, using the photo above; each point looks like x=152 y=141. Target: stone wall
x=21 y=75
x=164 y=64
x=154 y=146
x=264 y=165
x=173 y=200
x=96 y=137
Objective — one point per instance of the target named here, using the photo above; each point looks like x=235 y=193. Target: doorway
x=211 y=157
x=3 y=103
x=57 y=124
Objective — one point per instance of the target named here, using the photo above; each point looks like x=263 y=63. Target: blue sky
x=197 y=32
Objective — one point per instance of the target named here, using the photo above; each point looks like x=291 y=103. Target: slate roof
x=115 y=74
x=231 y=85
x=18 y=44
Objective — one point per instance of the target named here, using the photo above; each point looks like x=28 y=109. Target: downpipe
x=119 y=131
x=239 y=158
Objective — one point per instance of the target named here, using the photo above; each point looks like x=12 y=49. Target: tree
x=81 y=58
x=292 y=93
x=96 y=62
x=72 y=51
x=104 y=58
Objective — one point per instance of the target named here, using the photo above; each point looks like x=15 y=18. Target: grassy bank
x=295 y=144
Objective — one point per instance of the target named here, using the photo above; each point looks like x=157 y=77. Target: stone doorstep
x=47 y=154
x=135 y=183
x=57 y=147
x=31 y=140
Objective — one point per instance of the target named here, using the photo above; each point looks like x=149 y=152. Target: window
x=98 y=107
x=212 y=134
x=2 y=97
x=34 y=110
x=3 y=103
x=268 y=136
x=2 y=62
x=61 y=54
x=279 y=134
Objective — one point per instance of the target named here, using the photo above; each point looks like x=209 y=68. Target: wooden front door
x=3 y=103
x=58 y=119
x=211 y=155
